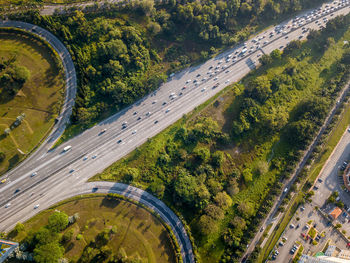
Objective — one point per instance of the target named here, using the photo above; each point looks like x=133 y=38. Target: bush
x=79 y=237
x=67 y=236
x=58 y=221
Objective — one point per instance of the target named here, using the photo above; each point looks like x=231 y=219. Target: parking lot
x=298 y=231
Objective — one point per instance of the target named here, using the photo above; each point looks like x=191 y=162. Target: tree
x=157 y=187
x=265 y=59
x=259 y=89
x=185 y=187
x=214 y=212
x=58 y=221
x=207 y=225
x=21 y=74
x=44 y=236
x=218 y=158
x=130 y=174
x=154 y=28
x=48 y=253
x=262 y=167
x=18 y=228
x=246 y=209
x=202 y=154
x=223 y=200
x=276 y=54
x=247 y=175
x=68 y=235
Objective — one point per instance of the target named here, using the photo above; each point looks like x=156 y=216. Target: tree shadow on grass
x=2 y=136
x=109 y=202
x=13 y=161
x=69 y=247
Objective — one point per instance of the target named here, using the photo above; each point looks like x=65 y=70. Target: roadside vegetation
x=123 y=53
x=94 y=229
x=221 y=167
x=31 y=92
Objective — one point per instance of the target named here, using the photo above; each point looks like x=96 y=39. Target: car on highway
x=36 y=206
x=33 y=174
x=167 y=110
x=17 y=190
x=148 y=113
x=188 y=81
x=135 y=113
x=119 y=141
x=203 y=89
x=3 y=181
x=285 y=190
x=71 y=171
x=85 y=158
x=154 y=102
x=7 y=205
x=155 y=122
x=94 y=156
x=164 y=103
x=134 y=132
x=94 y=189
x=184 y=87
x=139 y=118
x=102 y=131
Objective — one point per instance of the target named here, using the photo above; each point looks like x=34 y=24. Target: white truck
x=67 y=148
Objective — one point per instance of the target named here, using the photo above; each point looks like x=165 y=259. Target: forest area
x=220 y=168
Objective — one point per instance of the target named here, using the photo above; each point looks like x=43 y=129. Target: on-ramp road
x=70 y=90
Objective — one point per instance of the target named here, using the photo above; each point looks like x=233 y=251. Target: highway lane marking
x=29 y=173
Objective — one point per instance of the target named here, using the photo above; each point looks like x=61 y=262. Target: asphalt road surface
x=93 y=151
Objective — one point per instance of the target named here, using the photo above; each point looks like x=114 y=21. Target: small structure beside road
x=335 y=213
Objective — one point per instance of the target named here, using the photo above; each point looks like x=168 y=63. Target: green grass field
x=139 y=233
x=40 y=98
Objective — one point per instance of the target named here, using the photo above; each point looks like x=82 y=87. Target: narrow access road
x=70 y=90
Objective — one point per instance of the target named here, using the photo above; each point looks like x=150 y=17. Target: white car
x=33 y=174
x=7 y=205
x=203 y=89
x=167 y=110
x=94 y=156
x=227 y=81
x=134 y=132
x=85 y=158
x=188 y=81
x=36 y=206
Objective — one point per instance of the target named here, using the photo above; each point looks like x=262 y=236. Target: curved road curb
x=70 y=78
x=142 y=197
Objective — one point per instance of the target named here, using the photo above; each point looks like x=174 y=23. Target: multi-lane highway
x=59 y=173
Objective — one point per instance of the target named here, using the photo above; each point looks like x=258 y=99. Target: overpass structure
x=6 y=248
